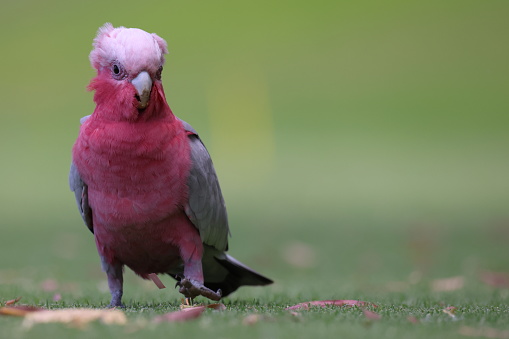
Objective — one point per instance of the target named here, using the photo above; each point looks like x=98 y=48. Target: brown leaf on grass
x=324 y=303
x=76 y=317
x=486 y=332
x=19 y=310
x=182 y=315
x=156 y=280
x=495 y=279
x=12 y=302
x=372 y=315
x=448 y=284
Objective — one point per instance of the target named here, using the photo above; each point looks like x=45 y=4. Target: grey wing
x=206 y=208
x=80 y=190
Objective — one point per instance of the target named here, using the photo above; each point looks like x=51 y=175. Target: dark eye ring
x=117 y=71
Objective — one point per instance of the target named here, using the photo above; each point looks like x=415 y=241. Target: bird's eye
x=159 y=72
x=117 y=71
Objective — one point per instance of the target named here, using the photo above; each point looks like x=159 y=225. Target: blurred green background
x=356 y=141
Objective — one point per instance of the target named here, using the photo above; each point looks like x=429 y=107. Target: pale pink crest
x=134 y=48
x=161 y=42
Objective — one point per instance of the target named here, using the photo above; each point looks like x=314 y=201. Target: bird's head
x=129 y=62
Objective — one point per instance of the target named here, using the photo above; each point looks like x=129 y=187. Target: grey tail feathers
x=238 y=275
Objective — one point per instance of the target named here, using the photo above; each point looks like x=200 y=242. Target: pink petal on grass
x=180 y=316
x=324 y=303
x=156 y=280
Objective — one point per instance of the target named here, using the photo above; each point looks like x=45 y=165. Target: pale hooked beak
x=143 y=85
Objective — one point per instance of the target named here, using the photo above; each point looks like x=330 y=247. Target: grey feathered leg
x=115 y=282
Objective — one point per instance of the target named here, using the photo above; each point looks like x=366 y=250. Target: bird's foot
x=116 y=300
x=192 y=288
x=116 y=304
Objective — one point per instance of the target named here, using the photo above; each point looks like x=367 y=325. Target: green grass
x=478 y=309
x=276 y=322
x=356 y=262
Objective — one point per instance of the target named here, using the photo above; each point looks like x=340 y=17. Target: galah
x=143 y=180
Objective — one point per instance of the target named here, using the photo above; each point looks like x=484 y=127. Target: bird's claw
x=115 y=304
x=192 y=288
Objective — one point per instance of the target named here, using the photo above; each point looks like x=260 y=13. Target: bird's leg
x=191 y=285
x=115 y=282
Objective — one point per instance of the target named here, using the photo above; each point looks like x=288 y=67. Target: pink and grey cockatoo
x=143 y=180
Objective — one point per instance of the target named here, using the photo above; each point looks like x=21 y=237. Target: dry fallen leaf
x=495 y=279
x=324 y=303
x=77 y=317
x=12 y=302
x=448 y=284
x=156 y=280
x=19 y=310
x=182 y=315
x=372 y=315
